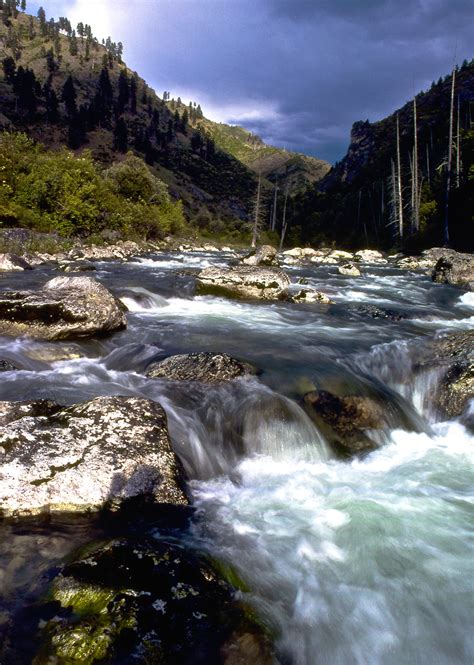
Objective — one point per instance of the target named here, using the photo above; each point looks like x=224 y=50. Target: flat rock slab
x=65 y=308
x=244 y=282
x=204 y=367
x=82 y=457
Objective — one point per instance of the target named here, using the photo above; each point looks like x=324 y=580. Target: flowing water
x=368 y=561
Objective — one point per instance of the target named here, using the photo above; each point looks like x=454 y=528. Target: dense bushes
x=71 y=195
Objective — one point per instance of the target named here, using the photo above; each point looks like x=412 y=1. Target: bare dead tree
x=399 y=183
x=284 y=224
x=450 y=158
x=458 y=145
x=257 y=212
x=273 y=225
x=415 y=180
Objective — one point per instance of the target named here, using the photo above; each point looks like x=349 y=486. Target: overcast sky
x=297 y=72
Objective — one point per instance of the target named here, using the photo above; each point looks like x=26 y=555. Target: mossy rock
x=147 y=601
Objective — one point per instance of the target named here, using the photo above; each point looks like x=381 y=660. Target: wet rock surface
x=204 y=367
x=245 y=282
x=82 y=457
x=347 y=417
x=455 y=352
x=310 y=296
x=66 y=307
x=6 y=366
x=146 y=601
x=375 y=312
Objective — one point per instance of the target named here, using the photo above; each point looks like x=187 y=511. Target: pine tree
x=23 y=5
x=120 y=135
x=133 y=94
x=42 y=19
x=68 y=96
x=9 y=69
x=123 y=91
x=73 y=50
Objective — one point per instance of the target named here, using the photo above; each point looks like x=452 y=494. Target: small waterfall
x=397 y=365
x=214 y=427
x=139 y=299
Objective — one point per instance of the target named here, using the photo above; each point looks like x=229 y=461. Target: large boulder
x=204 y=367
x=82 y=457
x=66 y=307
x=456 y=269
x=13 y=262
x=244 y=282
x=345 y=420
x=454 y=354
x=261 y=256
x=147 y=601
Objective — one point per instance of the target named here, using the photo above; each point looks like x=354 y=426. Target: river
x=362 y=561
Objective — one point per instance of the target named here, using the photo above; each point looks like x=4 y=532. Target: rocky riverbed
x=203 y=453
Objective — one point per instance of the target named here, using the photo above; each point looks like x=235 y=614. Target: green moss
x=84 y=598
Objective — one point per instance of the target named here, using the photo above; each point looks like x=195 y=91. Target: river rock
x=205 y=367
x=310 y=296
x=345 y=419
x=378 y=312
x=455 y=353
x=13 y=262
x=370 y=256
x=456 y=269
x=147 y=601
x=82 y=457
x=324 y=260
x=262 y=256
x=66 y=307
x=6 y=366
x=77 y=266
x=263 y=283
x=349 y=269
x=340 y=254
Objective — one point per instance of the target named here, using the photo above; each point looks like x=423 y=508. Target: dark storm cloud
x=298 y=72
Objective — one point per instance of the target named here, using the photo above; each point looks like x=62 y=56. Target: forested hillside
x=394 y=192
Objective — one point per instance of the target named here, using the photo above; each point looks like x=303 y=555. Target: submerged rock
x=456 y=269
x=347 y=417
x=262 y=256
x=206 y=367
x=13 y=262
x=148 y=601
x=310 y=296
x=378 y=312
x=349 y=269
x=66 y=307
x=244 y=282
x=84 y=456
x=6 y=366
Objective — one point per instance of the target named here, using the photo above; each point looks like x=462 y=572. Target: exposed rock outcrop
x=261 y=283
x=66 y=307
x=81 y=457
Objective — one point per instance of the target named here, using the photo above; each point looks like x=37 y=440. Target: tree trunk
x=257 y=213
x=284 y=223
x=399 y=183
x=416 y=215
x=450 y=158
x=274 y=209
